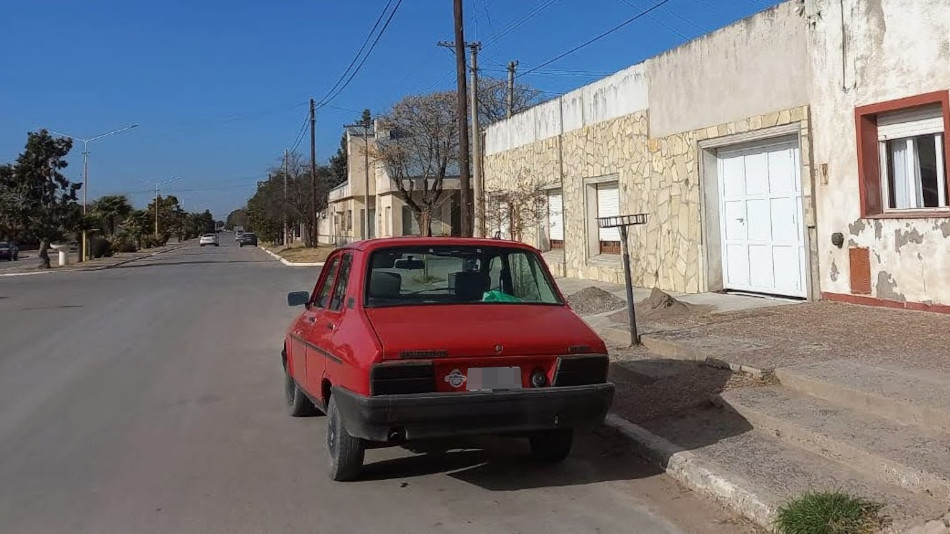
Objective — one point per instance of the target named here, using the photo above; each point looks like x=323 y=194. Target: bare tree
x=299 y=186
x=493 y=99
x=516 y=210
x=420 y=149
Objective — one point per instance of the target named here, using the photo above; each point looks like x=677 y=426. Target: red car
x=406 y=339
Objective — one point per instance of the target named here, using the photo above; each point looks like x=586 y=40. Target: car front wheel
x=344 y=452
x=551 y=446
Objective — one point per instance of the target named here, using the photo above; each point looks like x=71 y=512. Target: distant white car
x=208 y=239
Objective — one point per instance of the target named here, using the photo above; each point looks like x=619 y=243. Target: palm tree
x=112 y=210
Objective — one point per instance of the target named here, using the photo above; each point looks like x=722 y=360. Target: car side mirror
x=298 y=298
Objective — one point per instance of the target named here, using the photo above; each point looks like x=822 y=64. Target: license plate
x=489 y=378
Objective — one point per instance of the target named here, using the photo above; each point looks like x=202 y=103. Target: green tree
x=46 y=198
x=110 y=211
x=237 y=217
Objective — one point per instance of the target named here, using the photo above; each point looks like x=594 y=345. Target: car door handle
x=312 y=319
x=331 y=326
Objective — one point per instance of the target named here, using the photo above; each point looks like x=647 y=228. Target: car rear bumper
x=434 y=415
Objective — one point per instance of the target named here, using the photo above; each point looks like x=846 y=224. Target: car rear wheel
x=552 y=446
x=344 y=452
x=298 y=403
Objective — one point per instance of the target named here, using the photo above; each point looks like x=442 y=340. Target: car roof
x=370 y=245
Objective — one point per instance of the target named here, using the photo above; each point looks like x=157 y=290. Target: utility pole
x=366 y=178
x=156 y=210
x=313 y=173
x=284 y=206
x=465 y=192
x=512 y=65
x=479 y=230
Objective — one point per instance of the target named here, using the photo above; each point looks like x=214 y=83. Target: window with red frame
x=903 y=156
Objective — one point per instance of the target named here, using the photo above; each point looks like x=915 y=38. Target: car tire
x=551 y=446
x=215 y=244
x=344 y=452
x=297 y=402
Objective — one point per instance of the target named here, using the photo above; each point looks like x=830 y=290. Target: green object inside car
x=498 y=296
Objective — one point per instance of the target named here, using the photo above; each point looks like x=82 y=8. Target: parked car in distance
x=9 y=251
x=247 y=238
x=406 y=339
x=208 y=239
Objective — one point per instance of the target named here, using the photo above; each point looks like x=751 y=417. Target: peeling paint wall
x=889 y=49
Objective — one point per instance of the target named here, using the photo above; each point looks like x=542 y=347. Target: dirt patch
x=650 y=387
x=661 y=306
x=593 y=300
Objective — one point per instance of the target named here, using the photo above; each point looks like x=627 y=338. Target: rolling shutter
x=910 y=123
x=556 y=215
x=608 y=205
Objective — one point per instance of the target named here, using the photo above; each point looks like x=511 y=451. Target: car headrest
x=471 y=285
x=384 y=285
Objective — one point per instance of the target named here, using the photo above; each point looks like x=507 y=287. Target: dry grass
x=298 y=253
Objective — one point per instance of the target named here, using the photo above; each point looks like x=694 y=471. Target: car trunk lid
x=480 y=330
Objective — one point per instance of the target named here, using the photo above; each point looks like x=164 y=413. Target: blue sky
x=220 y=89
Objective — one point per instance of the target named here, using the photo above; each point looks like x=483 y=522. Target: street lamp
x=158 y=185
x=85 y=171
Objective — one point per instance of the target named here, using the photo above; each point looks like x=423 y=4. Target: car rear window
x=405 y=276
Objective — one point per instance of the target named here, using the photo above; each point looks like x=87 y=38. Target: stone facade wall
x=656 y=176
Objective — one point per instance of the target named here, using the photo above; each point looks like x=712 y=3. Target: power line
x=597 y=38
x=362 y=47
x=660 y=22
x=379 y=35
x=519 y=22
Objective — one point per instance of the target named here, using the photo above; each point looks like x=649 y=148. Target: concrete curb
x=290 y=263
x=130 y=260
x=697 y=474
x=680 y=351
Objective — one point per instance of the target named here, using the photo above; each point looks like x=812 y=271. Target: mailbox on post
x=623 y=222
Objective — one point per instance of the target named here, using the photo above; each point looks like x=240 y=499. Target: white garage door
x=608 y=205
x=555 y=215
x=760 y=199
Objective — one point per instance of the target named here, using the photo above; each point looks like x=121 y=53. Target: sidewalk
x=28 y=266
x=756 y=401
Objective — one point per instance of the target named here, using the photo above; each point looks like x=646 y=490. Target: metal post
x=465 y=193
x=284 y=207
x=511 y=87
x=631 y=312
x=479 y=230
x=313 y=174
x=85 y=187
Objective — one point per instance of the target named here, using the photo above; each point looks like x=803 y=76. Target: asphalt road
x=148 y=399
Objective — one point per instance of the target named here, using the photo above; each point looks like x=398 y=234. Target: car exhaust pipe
x=397 y=435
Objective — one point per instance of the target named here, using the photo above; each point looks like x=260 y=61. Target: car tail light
x=581 y=370
x=402 y=378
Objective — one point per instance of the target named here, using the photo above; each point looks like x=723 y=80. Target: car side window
x=323 y=293
x=339 y=291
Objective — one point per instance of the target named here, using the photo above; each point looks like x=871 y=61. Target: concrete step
x=908 y=456
x=755 y=473
x=905 y=395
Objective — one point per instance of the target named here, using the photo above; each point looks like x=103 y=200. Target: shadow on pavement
x=505 y=464
x=673 y=399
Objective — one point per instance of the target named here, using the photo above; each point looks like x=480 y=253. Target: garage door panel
x=782 y=175
x=735 y=220
x=758 y=214
x=788 y=264
x=784 y=221
x=760 y=220
x=737 y=265
x=757 y=173
x=733 y=177
x=760 y=266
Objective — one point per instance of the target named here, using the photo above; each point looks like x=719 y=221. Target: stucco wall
x=752 y=67
x=892 y=49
